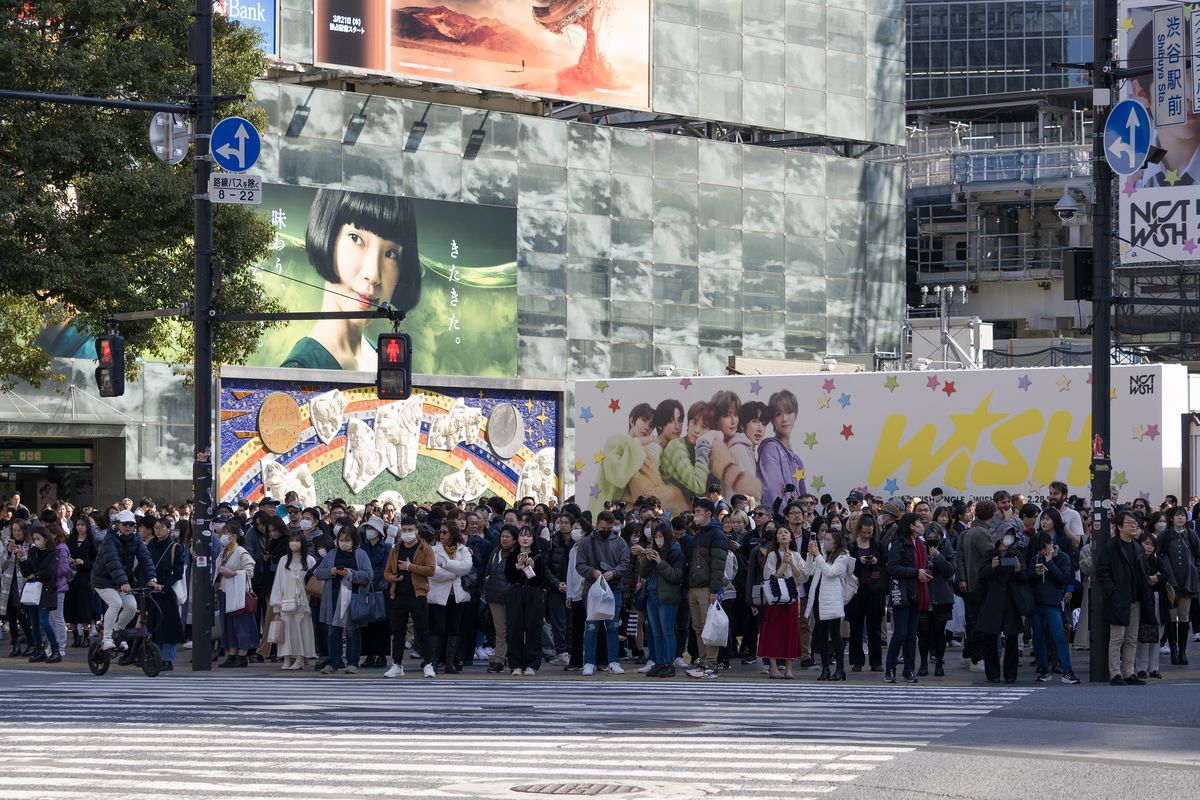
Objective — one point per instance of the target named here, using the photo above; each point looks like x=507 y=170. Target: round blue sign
x=235 y=144
x=1127 y=135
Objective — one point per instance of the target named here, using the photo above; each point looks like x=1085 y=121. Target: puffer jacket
x=122 y=558
x=42 y=565
x=827 y=587
x=495 y=580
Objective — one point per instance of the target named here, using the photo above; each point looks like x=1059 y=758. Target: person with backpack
x=829 y=566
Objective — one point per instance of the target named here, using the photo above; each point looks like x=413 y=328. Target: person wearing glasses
x=1128 y=597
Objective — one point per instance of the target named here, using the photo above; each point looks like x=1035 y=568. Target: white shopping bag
x=716 y=627
x=601 y=605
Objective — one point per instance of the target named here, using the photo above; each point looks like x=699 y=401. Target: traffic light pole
x=1104 y=34
x=201 y=51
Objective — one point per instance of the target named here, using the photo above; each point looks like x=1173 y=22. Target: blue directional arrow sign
x=1127 y=135
x=235 y=144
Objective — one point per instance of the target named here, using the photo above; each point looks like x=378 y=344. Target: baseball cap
x=855 y=497
x=296 y=504
x=125 y=515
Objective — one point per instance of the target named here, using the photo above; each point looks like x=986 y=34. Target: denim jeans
x=353 y=646
x=39 y=622
x=611 y=630
x=904 y=634
x=1052 y=616
x=57 y=620
x=661 y=619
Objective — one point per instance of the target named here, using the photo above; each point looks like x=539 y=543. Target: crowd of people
x=885 y=585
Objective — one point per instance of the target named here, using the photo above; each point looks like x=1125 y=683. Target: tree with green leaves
x=90 y=221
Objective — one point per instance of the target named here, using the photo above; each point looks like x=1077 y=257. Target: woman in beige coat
x=290 y=603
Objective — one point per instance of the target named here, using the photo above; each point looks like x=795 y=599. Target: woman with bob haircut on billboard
x=365 y=248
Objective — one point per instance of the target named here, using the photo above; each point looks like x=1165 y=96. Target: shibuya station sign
x=594 y=51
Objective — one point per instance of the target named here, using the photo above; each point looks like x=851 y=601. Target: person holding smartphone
x=867 y=606
x=1049 y=572
x=998 y=614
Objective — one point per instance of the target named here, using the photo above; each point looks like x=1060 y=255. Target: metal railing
x=993 y=257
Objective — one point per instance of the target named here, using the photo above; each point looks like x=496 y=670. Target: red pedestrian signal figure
x=393 y=378
x=110 y=374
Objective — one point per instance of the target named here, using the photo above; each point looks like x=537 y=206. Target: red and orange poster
x=594 y=51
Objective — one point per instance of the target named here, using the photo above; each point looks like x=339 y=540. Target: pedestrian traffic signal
x=393 y=379
x=110 y=375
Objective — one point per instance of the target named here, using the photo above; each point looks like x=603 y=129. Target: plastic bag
x=601 y=605
x=716 y=627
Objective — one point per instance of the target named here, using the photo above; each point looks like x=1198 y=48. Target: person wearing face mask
x=121 y=562
x=662 y=569
x=450 y=603
x=376 y=635
x=908 y=593
x=12 y=581
x=931 y=626
x=320 y=544
x=289 y=603
x=410 y=565
x=558 y=557
x=40 y=563
x=234 y=576
x=525 y=571
x=346 y=567
x=603 y=556
x=999 y=614
x=827 y=564
x=1048 y=570
x=170 y=560
x=577 y=615
x=1146 y=661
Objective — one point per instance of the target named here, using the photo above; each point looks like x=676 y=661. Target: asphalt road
x=258 y=733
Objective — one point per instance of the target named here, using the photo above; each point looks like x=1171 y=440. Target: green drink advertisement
x=450 y=267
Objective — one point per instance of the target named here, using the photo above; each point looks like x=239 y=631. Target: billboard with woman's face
x=450 y=267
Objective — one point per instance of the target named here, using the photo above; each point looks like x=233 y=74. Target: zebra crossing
x=302 y=737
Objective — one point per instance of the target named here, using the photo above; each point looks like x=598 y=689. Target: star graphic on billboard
x=847 y=431
x=891 y=384
x=823 y=401
x=755 y=387
x=932 y=382
x=685 y=383
x=1152 y=432
x=844 y=400
x=1064 y=383
x=614 y=405
x=818 y=483
x=585 y=413
x=810 y=440
x=1119 y=479
x=598 y=456
x=891 y=486
x=1023 y=383
x=828 y=385
x=948 y=388
x=601 y=385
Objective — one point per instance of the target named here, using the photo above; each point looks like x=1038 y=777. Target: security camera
x=1066 y=207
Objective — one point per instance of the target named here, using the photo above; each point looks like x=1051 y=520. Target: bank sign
x=261 y=15
x=969 y=432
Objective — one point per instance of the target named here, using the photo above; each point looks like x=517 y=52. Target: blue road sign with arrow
x=235 y=144
x=1127 y=135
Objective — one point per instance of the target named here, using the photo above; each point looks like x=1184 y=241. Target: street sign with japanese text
x=1170 y=85
x=242 y=190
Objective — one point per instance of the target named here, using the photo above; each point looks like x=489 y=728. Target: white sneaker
x=481 y=654
x=187 y=645
x=766 y=668
x=415 y=655
x=978 y=667
x=488 y=652
x=516 y=671
x=615 y=669
x=530 y=671
x=696 y=672
x=589 y=670
x=429 y=673
x=394 y=671
x=351 y=670
x=1196 y=638
x=681 y=664
x=1165 y=649
x=649 y=665
x=107 y=644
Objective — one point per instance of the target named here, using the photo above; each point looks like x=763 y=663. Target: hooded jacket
x=606 y=552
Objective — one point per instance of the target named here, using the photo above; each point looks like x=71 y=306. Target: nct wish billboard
x=595 y=51
x=969 y=432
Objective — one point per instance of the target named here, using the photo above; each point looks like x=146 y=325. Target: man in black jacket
x=122 y=557
x=706 y=575
x=1128 y=597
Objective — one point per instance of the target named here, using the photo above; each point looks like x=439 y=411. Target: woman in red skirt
x=783 y=587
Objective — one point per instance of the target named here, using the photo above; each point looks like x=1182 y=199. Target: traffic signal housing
x=110 y=375
x=393 y=378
